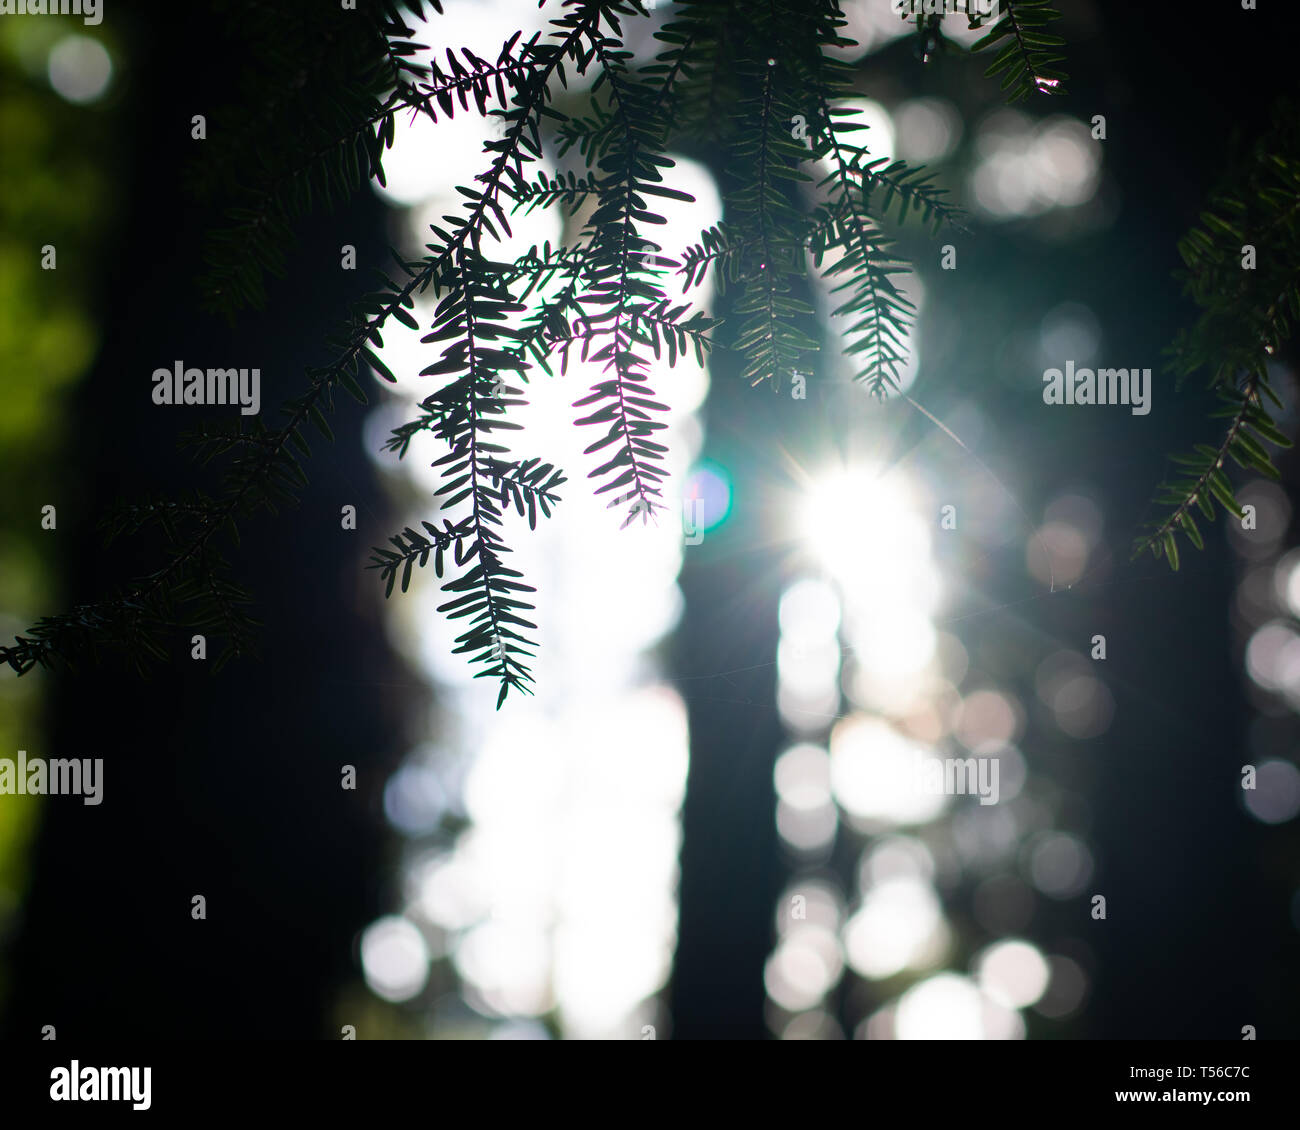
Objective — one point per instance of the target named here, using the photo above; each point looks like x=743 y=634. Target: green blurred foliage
x=55 y=189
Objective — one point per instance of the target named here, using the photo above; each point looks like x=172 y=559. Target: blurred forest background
x=715 y=722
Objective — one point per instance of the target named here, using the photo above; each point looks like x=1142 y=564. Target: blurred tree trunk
x=226 y=786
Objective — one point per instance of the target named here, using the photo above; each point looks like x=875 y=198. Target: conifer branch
x=1241 y=270
x=1027 y=56
x=729 y=77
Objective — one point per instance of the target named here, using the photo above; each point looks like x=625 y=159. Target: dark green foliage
x=1247 y=318
x=319 y=110
x=339 y=76
x=1027 y=52
x=622 y=275
x=772 y=229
